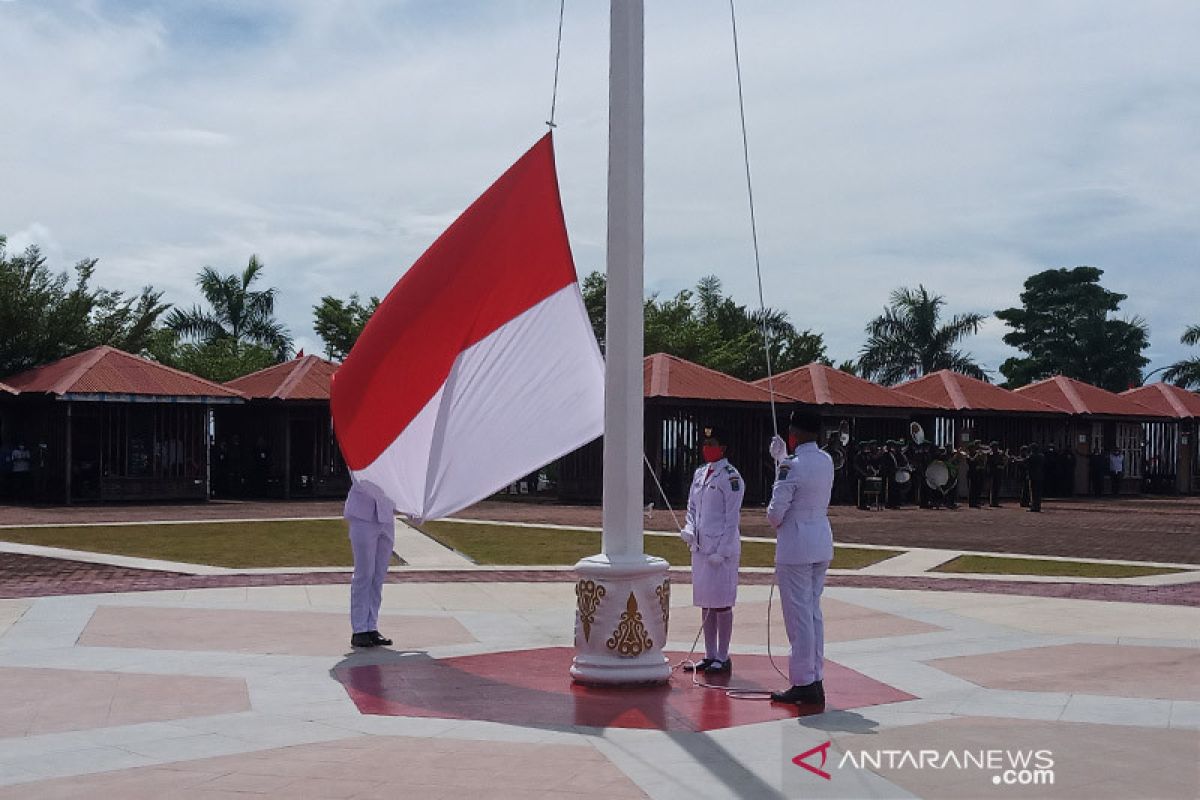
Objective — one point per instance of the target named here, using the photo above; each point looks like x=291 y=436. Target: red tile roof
x=303 y=378
x=820 y=384
x=1077 y=397
x=1166 y=399
x=670 y=376
x=106 y=370
x=954 y=390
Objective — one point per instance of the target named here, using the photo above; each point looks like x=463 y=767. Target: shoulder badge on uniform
x=783 y=471
x=735 y=483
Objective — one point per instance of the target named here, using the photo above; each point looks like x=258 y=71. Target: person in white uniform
x=372 y=518
x=712 y=534
x=799 y=512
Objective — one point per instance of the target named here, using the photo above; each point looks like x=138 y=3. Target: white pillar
x=623 y=596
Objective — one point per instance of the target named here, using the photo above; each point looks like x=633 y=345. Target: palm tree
x=239 y=317
x=1186 y=373
x=907 y=340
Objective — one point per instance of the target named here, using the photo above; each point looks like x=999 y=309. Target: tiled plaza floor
x=235 y=691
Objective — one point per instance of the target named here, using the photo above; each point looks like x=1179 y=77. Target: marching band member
x=799 y=511
x=712 y=534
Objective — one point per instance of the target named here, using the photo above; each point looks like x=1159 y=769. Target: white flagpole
x=623 y=421
x=623 y=596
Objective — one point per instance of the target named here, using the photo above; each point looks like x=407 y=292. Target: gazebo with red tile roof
x=109 y=425
x=957 y=392
x=1083 y=399
x=281 y=442
x=1171 y=401
x=1103 y=422
x=1177 y=447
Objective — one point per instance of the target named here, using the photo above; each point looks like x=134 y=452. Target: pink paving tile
x=36 y=701
x=374 y=767
x=534 y=687
x=844 y=622
x=1097 y=762
x=269 y=632
x=1168 y=673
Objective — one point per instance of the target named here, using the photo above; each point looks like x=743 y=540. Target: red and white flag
x=480 y=365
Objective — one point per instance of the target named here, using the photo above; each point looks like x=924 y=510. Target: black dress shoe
x=363 y=640
x=380 y=639
x=700 y=667
x=718 y=666
x=812 y=694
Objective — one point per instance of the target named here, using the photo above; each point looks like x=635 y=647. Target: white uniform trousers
x=800 y=587
x=372 y=543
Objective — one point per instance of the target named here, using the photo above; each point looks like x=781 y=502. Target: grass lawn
x=1000 y=565
x=508 y=545
x=323 y=543
x=305 y=543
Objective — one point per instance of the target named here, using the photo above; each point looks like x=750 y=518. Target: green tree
x=237 y=333
x=909 y=340
x=1186 y=373
x=711 y=329
x=339 y=323
x=593 y=288
x=1064 y=327
x=45 y=316
x=849 y=366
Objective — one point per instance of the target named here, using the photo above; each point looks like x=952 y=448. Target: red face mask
x=712 y=452
x=793 y=440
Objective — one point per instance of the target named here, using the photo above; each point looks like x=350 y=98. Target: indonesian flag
x=480 y=366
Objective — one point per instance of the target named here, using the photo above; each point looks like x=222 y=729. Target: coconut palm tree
x=238 y=317
x=1186 y=373
x=908 y=341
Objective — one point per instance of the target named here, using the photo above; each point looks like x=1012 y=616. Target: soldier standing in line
x=1036 y=467
x=997 y=461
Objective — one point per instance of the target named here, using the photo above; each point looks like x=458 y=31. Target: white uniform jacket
x=799 y=507
x=368 y=503
x=713 y=518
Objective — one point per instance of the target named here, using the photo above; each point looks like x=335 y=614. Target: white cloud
x=959 y=146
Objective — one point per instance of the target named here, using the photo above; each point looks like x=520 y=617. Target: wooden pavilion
x=1101 y=422
x=1173 y=457
x=105 y=425
x=280 y=443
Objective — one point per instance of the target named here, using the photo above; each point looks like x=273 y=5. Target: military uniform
x=1036 y=471
x=372 y=518
x=803 y=549
x=997 y=460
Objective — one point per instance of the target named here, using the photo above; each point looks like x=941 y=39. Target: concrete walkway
x=224 y=693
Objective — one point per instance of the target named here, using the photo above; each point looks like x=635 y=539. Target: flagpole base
x=622 y=612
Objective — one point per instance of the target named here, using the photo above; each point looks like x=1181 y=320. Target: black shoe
x=812 y=694
x=700 y=667
x=380 y=639
x=718 y=666
x=363 y=640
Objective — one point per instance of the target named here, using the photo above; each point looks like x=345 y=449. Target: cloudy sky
x=960 y=145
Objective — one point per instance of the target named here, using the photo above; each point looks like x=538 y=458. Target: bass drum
x=937 y=475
